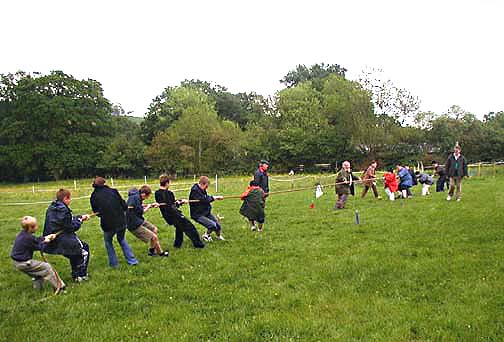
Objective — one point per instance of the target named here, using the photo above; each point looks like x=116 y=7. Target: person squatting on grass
x=405 y=180
x=344 y=185
x=369 y=179
x=390 y=182
x=140 y=227
x=440 y=171
x=59 y=220
x=22 y=256
x=201 y=210
x=426 y=181
x=456 y=169
x=111 y=208
x=253 y=205
x=170 y=211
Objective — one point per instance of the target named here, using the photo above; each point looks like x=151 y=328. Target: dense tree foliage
x=54 y=126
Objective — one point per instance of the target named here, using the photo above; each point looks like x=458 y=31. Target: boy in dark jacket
x=59 y=220
x=170 y=211
x=22 y=256
x=426 y=181
x=111 y=208
x=140 y=227
x=201 y=209
x=253 y=205
x=441 y=173
x=456 y=169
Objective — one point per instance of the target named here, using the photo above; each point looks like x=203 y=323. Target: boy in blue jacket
x=201 y=209
x=59 y=220
x=22 y=256
x=140 y=227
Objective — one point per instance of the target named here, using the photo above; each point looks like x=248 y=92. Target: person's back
x=167 y=207
x=134 y=214
x=390 y=181
x=110 y=207
x=253 y=202
x=405 y=177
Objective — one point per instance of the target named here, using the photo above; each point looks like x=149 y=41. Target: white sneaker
x=206 y=237
x=458 y=199
x=448 y=198
x=221 y=238
x=253 y=228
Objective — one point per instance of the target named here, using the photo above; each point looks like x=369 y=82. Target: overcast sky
x=444 y=52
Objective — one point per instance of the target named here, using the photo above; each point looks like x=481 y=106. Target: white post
x=33 y=189
x=194 y=178
x=145 y=179
x=112 y=181
x=75 y=184
x=216 y=183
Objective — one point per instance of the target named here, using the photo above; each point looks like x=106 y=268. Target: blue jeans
x=210 y=222
x=128 y=253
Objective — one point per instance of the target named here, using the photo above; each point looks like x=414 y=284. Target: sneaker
x=78 y=279
x=448 y=198
x=164 y=254
x=253 y=228
x=458 y=199
x=221 y=238
x=151 y=252
x=206 y=237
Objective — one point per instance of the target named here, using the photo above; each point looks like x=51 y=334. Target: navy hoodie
x=135 y=211
x=203 y=207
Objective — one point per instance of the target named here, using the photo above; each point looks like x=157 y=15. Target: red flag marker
x=312 y=205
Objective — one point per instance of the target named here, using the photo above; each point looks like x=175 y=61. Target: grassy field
x=417 y=269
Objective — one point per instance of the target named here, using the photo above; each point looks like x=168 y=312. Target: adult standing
x=111 y=208
x=261 y=176
x=201 y=209
x=369 y=179
x=456 y=169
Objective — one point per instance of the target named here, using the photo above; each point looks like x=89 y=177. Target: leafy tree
x=52 y=125
x=189 y=142
x=315 y=72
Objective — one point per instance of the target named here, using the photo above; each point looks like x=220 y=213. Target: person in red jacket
x=390 y=183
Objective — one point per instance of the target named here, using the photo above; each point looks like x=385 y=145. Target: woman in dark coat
x=111 y=208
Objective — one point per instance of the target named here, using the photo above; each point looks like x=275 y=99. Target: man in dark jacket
x=456 y=169
x=110 y=207
x=140 y=227
x=59 y=220
x=261 y=176
x=201 y=209
x=169 y=208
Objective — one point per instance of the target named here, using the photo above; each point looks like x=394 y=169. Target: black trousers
x=184 y=226
x=79 y=262
x=441 y=182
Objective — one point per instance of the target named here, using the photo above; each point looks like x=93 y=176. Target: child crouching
x=22 y=256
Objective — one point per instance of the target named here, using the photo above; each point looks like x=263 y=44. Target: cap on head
x=264 y=161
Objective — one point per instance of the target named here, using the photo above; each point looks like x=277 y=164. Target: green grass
x=418 y=269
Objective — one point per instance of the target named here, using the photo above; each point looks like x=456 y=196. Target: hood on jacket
x=133 y=192
x=58 y=205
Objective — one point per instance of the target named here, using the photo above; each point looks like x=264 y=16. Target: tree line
x=55 y=126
